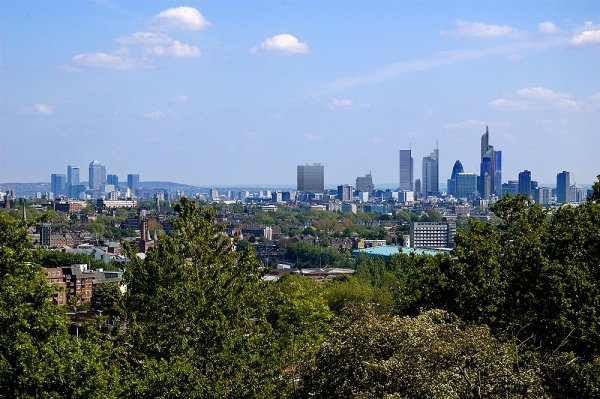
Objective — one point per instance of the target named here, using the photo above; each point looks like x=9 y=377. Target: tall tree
x=197 y=317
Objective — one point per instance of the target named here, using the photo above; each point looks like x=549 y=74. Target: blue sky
x=240 y=92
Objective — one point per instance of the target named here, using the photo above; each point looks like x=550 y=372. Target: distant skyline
x=241 y=92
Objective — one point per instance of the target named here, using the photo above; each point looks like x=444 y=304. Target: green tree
x=197 y=317
x=38 y=358
x=433 y=355
x=108 y=298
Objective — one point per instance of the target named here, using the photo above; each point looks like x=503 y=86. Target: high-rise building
x=466 y=185
x=113 y=180
x=576 y=194
x=133 y=182
x=525 y=183
x=406 y=171
x=512 y=187
x=365 y=184
x=345 y=193
x=543 y=196
x=490 y=171
x=73 y=175
x=417 y=189
x=451 y=186
x=430 y=182
x=58 y=184
x=97 y=173
x=311 y=178
x=563 y=182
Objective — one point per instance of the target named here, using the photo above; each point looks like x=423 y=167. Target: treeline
x=512 y=312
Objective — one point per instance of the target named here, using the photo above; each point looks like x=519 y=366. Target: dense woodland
x=513 y=312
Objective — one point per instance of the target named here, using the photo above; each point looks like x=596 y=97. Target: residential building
x=345 y=193
x=432 y=234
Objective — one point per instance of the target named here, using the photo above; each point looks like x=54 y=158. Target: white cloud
x=536 y=97
x=150 y=38
x=559 y=100
x=182 y=98
x=312 y=137
x=175 y=49
x=44 y=109
x=185 y=18
x=157 y=114
x=586 y=38
x=282 y=43
x=474 y=123
x=340 y=103
x=479 y=29
x=595 y=96
x=547 y=27
x=118 y=60
x=68 y=68
x=465 y=124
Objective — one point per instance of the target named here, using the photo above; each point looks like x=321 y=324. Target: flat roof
x=389 y=250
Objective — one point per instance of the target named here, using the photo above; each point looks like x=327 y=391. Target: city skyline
x=208 y=94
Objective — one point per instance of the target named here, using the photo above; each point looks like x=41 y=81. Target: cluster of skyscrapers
x=485 y=185
x=70 y=185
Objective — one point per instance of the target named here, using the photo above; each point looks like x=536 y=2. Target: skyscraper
x=114 y=180
x=133 y=182
x=58 y=184
x=466 y=185
x=311 y=178
x=97 y=175
x=345 y=193
x=490 y=171
x=406 y=171
x=458 y=168
x=73 y=175
x=563 y=182
x=430 y=180
x=365 y=184
x=525 y=183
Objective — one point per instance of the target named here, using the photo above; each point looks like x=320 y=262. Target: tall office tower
x=58 y=184
x=73 y=175
x=563 y=182
x=113 y=180
x=345 y=193
x=417 y=188
x=458 y=168
x=525 y=183
x=133 y=182
x=311 y=178
x=543 y=196
x=430 y=182
x=466 y=185
x=490 y=172
x=406 y=171
x=97 y=175
x=365 y=184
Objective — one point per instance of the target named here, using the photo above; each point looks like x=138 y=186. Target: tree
x=108 y=298
x=433 y=355
x=38 y=358
x=197 y=317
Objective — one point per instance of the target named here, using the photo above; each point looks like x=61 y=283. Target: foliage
x=197 y=317
x=433 y=355
x=108 y=298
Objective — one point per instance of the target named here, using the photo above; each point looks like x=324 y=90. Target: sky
x=241 y=92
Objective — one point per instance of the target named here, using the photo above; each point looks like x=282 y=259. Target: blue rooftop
x=386 y=251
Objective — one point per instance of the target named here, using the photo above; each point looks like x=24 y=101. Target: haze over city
x=224 y=93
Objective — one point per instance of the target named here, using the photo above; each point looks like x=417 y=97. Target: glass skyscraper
x=430 y=180
x=406 y=171
x=563 y=182
x=311 y=178
x=97 y=175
